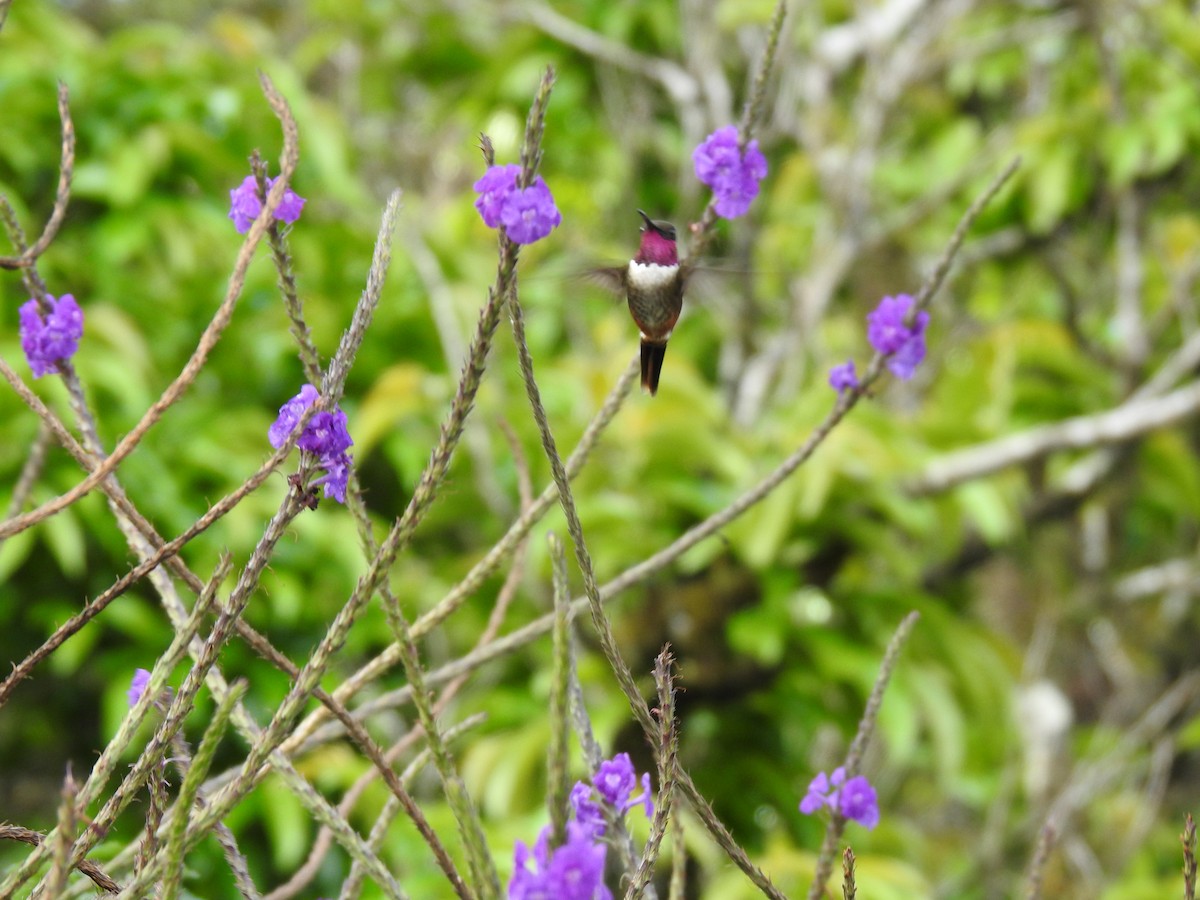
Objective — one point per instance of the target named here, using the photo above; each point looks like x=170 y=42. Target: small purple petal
x=289 y=415
x=817 y=796
x=244 y=205
x=646 y=800
x=529 y=215
x=574 y=871
x=903 y=363
x=854 y=799
x=289 y=207
x=336 y=477
x=493 y=188
x=843 y=377
x=887 y=333
x=588 y=814
x=615 y=780
x=857 y=801
x=326 y=434
x=141 y=678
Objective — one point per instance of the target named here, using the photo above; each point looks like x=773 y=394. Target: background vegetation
x=1053 y=672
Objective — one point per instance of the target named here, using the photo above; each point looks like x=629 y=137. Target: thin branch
x=181 y=758
x=208 y=339
x=107 y=765
x=1037 y=865
x=866 y=727
x=165 y=552
x=189 y=790
x=310 y=357
x=86 y=866
x=666 y=755
x=62 y=195
x=1114 y=426
x=559 y=752
x=674 y=79
x=849 y=884
x=704 y=231
x=1188 y=839
x=64 y=836
x=35 y=461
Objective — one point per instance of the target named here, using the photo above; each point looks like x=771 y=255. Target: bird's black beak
x=649 y=223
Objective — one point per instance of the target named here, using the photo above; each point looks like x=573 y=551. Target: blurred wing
x=711 y=287
x=611 y=278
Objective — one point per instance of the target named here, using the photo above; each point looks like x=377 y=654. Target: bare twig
x=86 y=866
x=64 y=836
x=849 y=885
x=208 y=339
x=1188 y=839
x=165 y=552
x=310 y=358
x=866 y=727
x=666 y=755
x=28 y=256
x=1114 y=426
x=559 y=753
x=673 y=78
x=34 y=462
x=1037 y=865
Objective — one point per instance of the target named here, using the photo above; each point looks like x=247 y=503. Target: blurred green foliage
x=780 y=624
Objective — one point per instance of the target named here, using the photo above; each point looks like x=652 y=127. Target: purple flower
x=325 y=436
x=244 y=205
x=587 y=813
x=904 y=347
x=613 y=783
x=733 y=176
x=47 y=341
x=141 y=678
x=530 y=215
x=854 y=799
x=493 y=188
x=527 y=215
x=646 y=799
x=336 y=477
x=615 y=779
x=843 y=377
x=818 y=794
x=289 y=415
x=574 y=871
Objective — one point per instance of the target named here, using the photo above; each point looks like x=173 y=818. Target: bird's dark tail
x=652 y=360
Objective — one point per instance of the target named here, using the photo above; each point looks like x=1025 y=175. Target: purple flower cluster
x=904 y=346
x=732 y=175
x=854 y=799
x=244 y=205
x=325 y=436
x=575 y=871
x=843 y=377
x=613 y=784
x=527 y=215
x=141 y=678
x=47 y=341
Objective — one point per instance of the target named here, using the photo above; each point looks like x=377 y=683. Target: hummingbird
x=652 y=283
